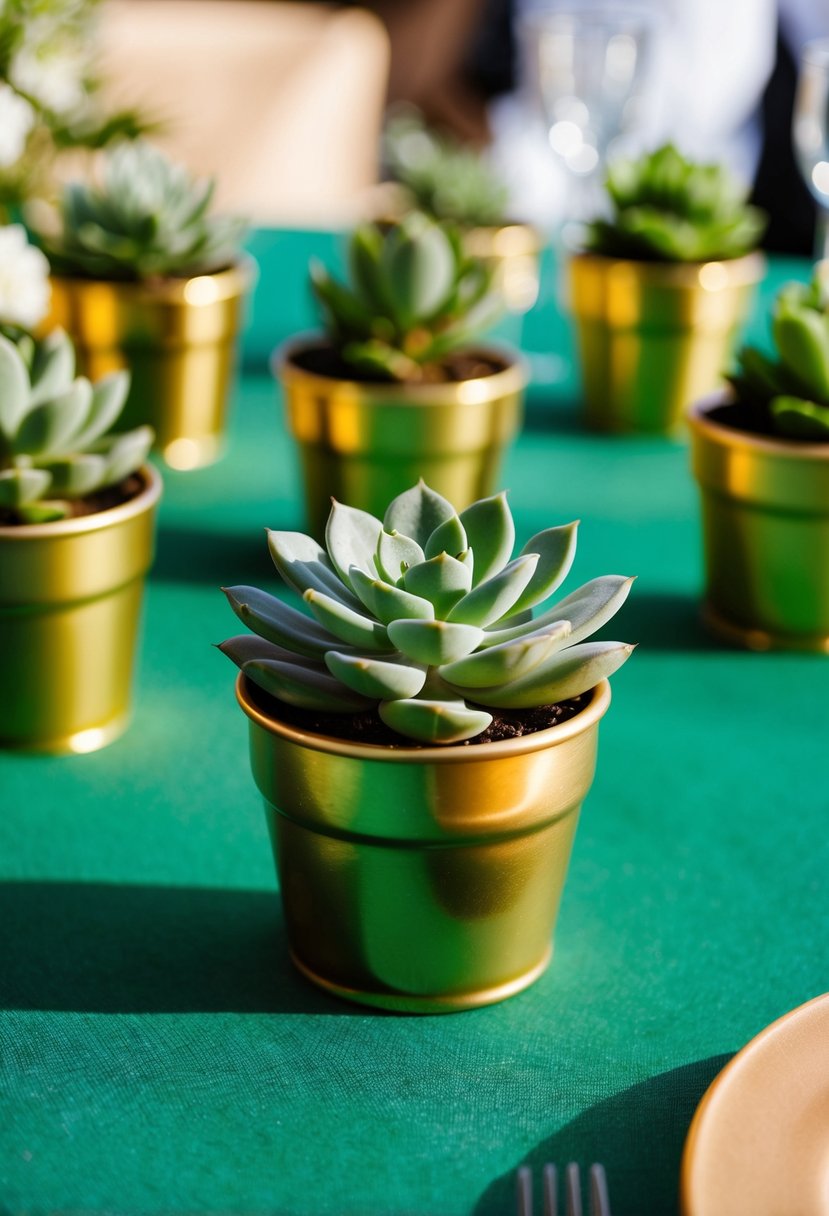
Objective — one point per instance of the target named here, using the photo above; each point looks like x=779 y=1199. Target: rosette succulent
x=54 y=445
x=668 y=209
x=413 y=297
x=426 y=618
x=791 y=387
x=446 y=179
x=149 y=217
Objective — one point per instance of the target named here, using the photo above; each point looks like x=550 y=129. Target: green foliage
x=413 y=297
x=54 y=444
x=148 y=217
x=425 y=618
x=791 y=387
x=446 y=179
x=667 y=209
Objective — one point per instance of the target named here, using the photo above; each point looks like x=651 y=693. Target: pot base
x=402 y=1002
x=761 y=639
x=79 y=743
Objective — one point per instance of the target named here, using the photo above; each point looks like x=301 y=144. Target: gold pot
x=655 y=336
x=425 y=879
x=70 y=600
x=177 y=337
x=364 y=443
x=513 y=252
x=765 y=514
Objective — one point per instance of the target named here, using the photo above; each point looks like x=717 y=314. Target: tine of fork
x=550 y=1184
x=573 y=1190
x=524 y=1191
x=599 y=1199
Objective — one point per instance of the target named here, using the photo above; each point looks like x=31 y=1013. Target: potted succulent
x=423 y=744
x=454 y=182
x=660 y=289
x=146 y=278
x=399 y=388
x=76 y=536
x=761 y=457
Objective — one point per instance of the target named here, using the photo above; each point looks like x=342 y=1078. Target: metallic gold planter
x=765 y=512
x=178 y=338
x=70 y=600
x=364 y=443
x=422 y=879
x=513 y=251
x=654 y=337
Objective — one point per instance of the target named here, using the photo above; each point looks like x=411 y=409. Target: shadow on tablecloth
x=93 y=947
x=637 y=1134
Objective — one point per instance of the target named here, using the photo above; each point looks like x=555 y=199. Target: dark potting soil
x=112 y=496
x=752 y=418
x=460 y=365
x=368 y=728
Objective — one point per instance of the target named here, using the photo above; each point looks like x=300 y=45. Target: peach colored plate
x=759 y=1141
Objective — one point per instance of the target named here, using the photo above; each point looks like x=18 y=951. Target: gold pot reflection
x=655 y=336
x=70 y=601
x=765 y=518
x=421 y=879
x=364 y=443
x=177 y=337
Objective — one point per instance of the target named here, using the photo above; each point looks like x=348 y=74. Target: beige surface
x=759 y=1143
x=282 y=101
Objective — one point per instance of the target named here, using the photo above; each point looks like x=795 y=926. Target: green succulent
x=148 y=218
x=54 y=444
x=791 y=387
x=426 y=618
x=668 y=209
x=414 y=296
x=446 y=179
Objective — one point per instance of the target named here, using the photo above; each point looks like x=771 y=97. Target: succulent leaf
x=53 y=366
x=19 y=487
x=108 y=397
x=799 y=418
x=408 y=634
x=48 y=428
x=378 y=678
x=76 y=476
x=490 y=533
x=14 y=390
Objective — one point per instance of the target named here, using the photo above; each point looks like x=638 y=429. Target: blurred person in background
x=722 y=89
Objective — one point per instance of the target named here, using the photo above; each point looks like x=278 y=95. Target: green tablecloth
x=159 y=1055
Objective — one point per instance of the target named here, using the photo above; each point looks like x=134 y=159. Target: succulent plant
x=54 y=444
x=792 y=388
x=414 y=296
x=148 y=218
x=668 y=209
x=426 y=618
x=446 y=179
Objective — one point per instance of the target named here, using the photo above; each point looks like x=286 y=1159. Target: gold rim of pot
x=765 y=503
x=654 y=336
x=70 y=604
x=421 y=879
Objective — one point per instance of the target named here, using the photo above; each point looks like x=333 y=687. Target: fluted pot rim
x=512 y=377
x=551 y=736
x=108 y=518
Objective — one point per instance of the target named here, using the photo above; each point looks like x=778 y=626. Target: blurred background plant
x=49 y=96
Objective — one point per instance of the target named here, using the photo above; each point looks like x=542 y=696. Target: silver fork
x=599 y=1201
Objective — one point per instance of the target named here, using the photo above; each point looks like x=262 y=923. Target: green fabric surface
x=160 y=1055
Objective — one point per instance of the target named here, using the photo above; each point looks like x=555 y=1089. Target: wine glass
x=810 y=132
x=587 y=69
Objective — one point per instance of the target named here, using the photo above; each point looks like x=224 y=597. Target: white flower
x=16 y=121
x=24 y=279
x=54 y=78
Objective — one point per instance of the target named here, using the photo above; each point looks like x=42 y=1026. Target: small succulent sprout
x=445 y=179
x=668 y=209
x=414 y=297
x=791 y=387
x=149 y=217
x=54 y=440
x=426 y=618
